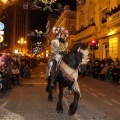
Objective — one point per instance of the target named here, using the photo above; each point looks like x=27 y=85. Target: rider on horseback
x=58 y=50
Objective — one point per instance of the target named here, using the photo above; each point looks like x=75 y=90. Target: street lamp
x=7 y=2
x=22 y=42
x=4 y=4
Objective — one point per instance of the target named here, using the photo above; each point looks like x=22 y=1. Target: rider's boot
x=52 y=84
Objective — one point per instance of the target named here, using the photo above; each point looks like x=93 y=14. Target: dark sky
x=38 y=19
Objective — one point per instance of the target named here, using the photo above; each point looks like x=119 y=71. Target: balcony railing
x=89 y=31
x=113 y=19
x=103 y=26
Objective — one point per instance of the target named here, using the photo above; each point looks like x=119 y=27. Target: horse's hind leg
x=73 y=107
x=59 y=107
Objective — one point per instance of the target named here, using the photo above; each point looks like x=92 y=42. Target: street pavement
x=28 y=101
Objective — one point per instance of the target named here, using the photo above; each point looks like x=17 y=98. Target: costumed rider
x=58 y=50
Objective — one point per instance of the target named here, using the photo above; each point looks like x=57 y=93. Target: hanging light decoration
x=48 y=4
x=34 y=5
x=52 y=1
x=5 y=3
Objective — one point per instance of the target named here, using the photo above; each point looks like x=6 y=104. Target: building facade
x=19 y=21
x=99 y=20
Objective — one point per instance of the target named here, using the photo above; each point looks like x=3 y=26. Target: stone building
x=99 y=20
x=18 y=18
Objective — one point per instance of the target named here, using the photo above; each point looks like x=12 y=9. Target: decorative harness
x=71 y=73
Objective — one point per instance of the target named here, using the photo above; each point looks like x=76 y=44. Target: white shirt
x=55 y=45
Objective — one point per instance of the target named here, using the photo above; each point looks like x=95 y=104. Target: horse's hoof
x=70 y=113
x=60 y=112
x=50 y=99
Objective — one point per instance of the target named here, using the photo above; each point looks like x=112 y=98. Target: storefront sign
x=1 y=38
x=2 y=26
x=1 y=32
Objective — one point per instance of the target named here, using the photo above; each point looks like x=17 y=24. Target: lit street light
x=4 y=4
x=7 y=2
x=22 y=42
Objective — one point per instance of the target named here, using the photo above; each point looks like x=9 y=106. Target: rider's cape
x=69 y=72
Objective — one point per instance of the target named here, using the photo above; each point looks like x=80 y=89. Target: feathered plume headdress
x=59 y=30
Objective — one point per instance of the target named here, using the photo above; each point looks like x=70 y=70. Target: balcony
x=113 y=20
x=103 y=26
x=89 y=31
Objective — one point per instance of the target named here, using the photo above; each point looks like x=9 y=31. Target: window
x=106 y=50
x=104 y=15
x=91 y=20
x=104 y=11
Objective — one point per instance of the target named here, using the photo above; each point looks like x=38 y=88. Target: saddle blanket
x=69 y=72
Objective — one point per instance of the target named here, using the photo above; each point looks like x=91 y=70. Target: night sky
x=38 y=19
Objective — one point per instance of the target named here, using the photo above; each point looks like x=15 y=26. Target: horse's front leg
x=73 y=107
x=48 y=89
x=59 y=107
x=50 y=97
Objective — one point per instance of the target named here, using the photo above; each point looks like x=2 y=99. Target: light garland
x=48 y=4
x=46 y=1
x=34 y=5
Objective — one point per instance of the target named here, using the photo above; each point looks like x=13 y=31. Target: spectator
x=104 y=20
x=112 y=11
x=119 y=7
x=100 y=69
x=89 y=69
x=5 y=84
x=115 y=10
x=27 y=72
x=8 y=71
x=111 y=73
x=109 y=61
x=95 y=70
x=103 y=61
x=21 y=67
x=102 y=74
x=15 y=75
x=117 y=62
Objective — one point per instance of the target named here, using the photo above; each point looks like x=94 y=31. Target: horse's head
x=83 y=62
x=78 y=57
x=81 y=56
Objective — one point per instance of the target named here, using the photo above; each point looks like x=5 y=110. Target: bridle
x=85 y=57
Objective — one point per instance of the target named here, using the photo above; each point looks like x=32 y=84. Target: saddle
x=69 y=72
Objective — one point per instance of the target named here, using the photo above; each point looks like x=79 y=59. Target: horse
x=76 y=59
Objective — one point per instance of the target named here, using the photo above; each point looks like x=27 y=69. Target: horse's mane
x=72 y=57
x=77 y=45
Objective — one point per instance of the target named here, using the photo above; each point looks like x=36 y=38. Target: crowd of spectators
x=109 y=13
x=14 y=69
x=106 y=69
x=84 y=27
